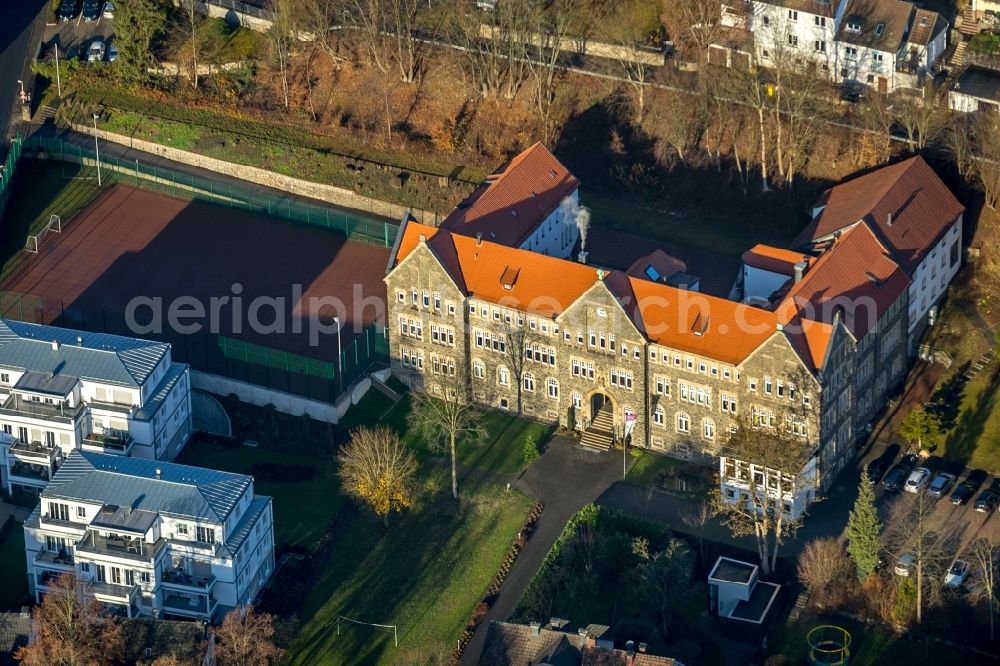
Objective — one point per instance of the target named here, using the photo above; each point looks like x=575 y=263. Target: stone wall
x=337 y=196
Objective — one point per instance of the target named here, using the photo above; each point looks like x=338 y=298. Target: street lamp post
x=58 y=79
x=97 y=151
x=340 y=360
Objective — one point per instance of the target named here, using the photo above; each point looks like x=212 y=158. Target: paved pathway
x=566 y=477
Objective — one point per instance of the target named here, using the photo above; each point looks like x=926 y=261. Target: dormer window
x=855 y=24
x=879 y=29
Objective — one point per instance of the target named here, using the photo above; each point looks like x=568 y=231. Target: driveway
x=566 y=478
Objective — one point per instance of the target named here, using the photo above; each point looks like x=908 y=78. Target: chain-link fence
x=7 y=170
x=188 y=186
x=221 y=355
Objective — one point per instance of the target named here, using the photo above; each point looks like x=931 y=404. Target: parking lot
x=74 y=36
x=954 y=526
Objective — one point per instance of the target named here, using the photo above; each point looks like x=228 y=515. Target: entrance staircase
x=600 y=435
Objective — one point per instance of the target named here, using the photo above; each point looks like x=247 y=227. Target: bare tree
x=246 y=638
x=378 y=470
x=985 y=554
x=766 y=464
x=497 y=53
x=696 y=519
x=191 y=31
x=552 y=29
x=920 y=119
x=447 y=421
x=282 y=37
x=823 y=567
x=69 y=628
x=986 y=169
x=749 y=87
x=877 y=119
x=664 y=575
x=516 y=336
x=692 y=23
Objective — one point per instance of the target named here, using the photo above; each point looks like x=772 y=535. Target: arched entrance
x=601 y=401
x=601 y=422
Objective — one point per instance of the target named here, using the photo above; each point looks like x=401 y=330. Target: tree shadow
x=970 y=424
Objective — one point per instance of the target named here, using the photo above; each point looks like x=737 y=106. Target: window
x=820 y=21
x=953 y=252
x=820 y=46
x=478 y=369
x=553 y=388
x=766 y=20
x=414 y=296
x=58 y=511
x=504 y=404
x=753 y=384
x=144 y=577
x=767 y=385
x=879 y=29
x=658 y=416
x=116 y=575
x=503 y=376
x=451 y=308
x=793 y=15
x=621 y=378
x=577 y=401
x=427 y=299
x=5 y=377
x=81 y=512
x=437 y=301
x=708 y=428
x=206 y=534
x=793 y=40
x=182 y=529
x=851 y=52
x=683 y=423
x=85 y=567
x=662 y=386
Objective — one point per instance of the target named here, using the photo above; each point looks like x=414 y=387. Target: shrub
x=530 y=449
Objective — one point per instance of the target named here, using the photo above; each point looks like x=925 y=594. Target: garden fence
x=221 y=355
x=8 y=168
x=188 y=186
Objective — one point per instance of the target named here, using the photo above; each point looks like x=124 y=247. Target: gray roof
x=51 y=384
x=892 y=15
x=15 y=628
x=180 y=490
x=979 y=82
x=98 y=356
x=257 y=506
x=153 y=402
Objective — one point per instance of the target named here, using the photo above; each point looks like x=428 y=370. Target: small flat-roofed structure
x=738 y=597
x=977 y=89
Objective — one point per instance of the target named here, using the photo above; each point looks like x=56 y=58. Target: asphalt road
x=20 y=28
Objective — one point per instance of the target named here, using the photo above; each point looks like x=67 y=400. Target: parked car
x=957 y=573
x=109 y=10
x=91 y=10
x=112 y=52
x=67 y=10
x=917 y=480
x=963 y=493
x=896 y=477
x=904 y=565
x=940 y=485
x=96 y=51
x=989 y=498
x=876 y=469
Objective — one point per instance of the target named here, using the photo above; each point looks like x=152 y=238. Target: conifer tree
x=864 y=530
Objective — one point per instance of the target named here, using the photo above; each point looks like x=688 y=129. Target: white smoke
x=573 y=213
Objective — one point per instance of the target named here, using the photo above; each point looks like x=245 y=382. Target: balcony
x=35 y=452
x=62 y=560
x=113 y=593
x=15 y=405
x=202 y=605
x=46 y=579
x=117 y=407
x=110 y=441
x=130 y=549
x=185 y=582
x=29 y=473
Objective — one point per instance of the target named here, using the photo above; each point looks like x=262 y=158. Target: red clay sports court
x=132 y=242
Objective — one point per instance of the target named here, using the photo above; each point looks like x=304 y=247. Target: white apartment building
x=63 y=390
x=800 y=29
x=150 y=538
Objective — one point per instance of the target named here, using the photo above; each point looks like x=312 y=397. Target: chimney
x=582 y=257
x=535 y=628
x=79 y=341
x=582 y=633
x=630 y=648
x=800 y=269
x=55 y=345
x=888 y=218
x=642 y=648
x=157 y=472
x=479 y=239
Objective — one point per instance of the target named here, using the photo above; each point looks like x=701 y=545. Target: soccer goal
x=34 y=240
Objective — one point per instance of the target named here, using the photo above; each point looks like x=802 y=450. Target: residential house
x=814 y=349
x=738 y=596
x=977 y=88
x=150 y=538
x=986 y=9
x=64 y=390
x=15 y=631
x=802 y=31
x=913 y=214
x=509 y=644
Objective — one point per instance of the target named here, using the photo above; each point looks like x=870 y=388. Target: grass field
x=869 y=647
x=647 y=466
x=13 y=584
x=40 y=190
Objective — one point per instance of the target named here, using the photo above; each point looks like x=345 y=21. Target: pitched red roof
x=856 y=279
x=774 y=259
x=662 y=264
x=508 y=206
x=909 y=193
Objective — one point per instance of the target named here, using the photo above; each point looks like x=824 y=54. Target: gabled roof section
x=656 y=266
x=811 y=340
x=856 y=280
x=884 y=24
x=906 y=204
x=508 y=206
x=774 y=259
x=181 y=490
x=926 y=26
x=818 y=7
x=701 y=324
x=95 y=356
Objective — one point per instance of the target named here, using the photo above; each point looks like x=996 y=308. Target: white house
x=802 y=29
x=913 y=214
x=977 y=88
x=63 y=390
x=766 y=269
x=151 y=538
x=737 y=594
x=739 y=481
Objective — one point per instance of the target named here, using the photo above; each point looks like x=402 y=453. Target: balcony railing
x=114 y=441
x=15 y=405
x=119 y=407
x=61 y=558
x=34 y=451
x=29 y=471
x=133 y=549
x=113 y=591
x=178 y=604
x=179 y=579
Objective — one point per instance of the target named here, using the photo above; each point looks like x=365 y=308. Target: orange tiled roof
x=855 y=278
x=920 y=205
x=664 y=264
x=774 y=259
x=509 y=204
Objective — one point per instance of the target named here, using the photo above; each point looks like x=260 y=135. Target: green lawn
x=13 y=584
x=647 y=466
x=502 y=450
x=301 y=509
x=425 y=574
x=868 y=646
x=975 y=439
x=40 y=190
